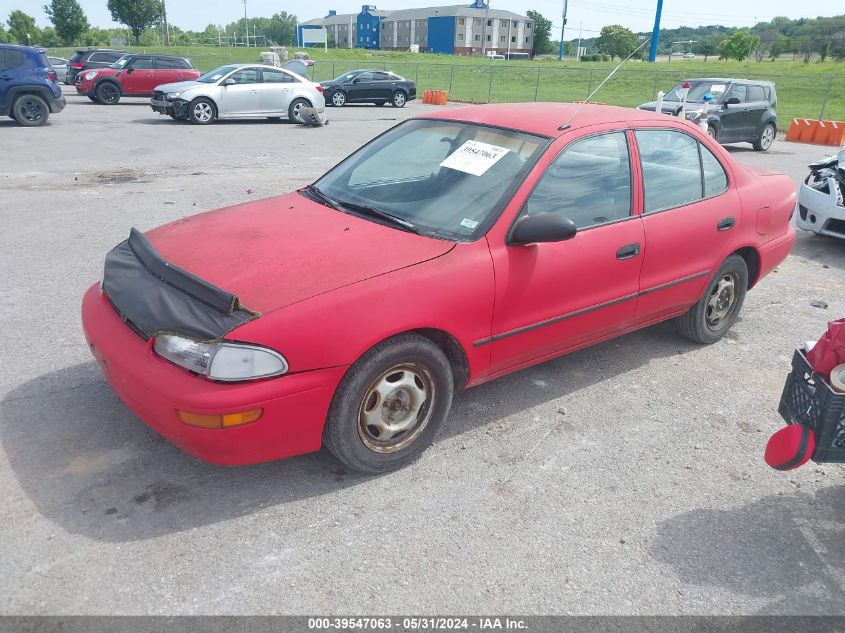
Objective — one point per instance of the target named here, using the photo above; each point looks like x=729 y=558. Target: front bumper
x=822 y=212
x=173 y=107
x=295 y=405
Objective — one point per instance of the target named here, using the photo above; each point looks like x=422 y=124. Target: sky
x=637 y=15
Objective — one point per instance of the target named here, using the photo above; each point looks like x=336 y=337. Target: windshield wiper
x=382 y=215
x=346 y=207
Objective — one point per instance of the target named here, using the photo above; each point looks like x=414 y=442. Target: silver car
x=238 y=91
x=59 y=64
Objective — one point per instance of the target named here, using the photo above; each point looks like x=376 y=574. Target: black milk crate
x=810 y=401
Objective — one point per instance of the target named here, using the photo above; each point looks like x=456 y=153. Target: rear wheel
x=399 y=99
x=767 y=137
x=717 y=310
x=202 y=111
x=30 y=110
x=338 y=98
x=295 y=110
x=390 y=405
x=711 y=132
x=107 y=93
x=92 y=98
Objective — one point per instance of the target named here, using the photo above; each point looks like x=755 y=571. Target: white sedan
x=237 y=91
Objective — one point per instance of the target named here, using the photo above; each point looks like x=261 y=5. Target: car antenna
x=567 y=125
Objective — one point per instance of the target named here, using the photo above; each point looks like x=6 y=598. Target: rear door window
x=671 y=169
x=169 y=64
x=738 y=92
x=276 y=77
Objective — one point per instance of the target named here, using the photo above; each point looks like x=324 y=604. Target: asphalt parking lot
x=624 y=479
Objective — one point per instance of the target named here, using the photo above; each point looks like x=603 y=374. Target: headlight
x=173 y=95
x=221 y=361
x=90 y=75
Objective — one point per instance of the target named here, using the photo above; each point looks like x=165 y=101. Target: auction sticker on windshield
x=474 y=157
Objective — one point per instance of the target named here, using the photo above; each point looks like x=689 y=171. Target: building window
x=502 y=38
x=528 y=25
x=513 y=39
x=488 y=38
x=461 y=21
x=503 y=23
x=461 y=37
x=526 y=40
x=477 y=38
x=489 y=22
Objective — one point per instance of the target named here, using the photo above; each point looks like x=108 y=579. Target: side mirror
x=228 y=82
x=542 y=227
x=129 y=70
x=733 y=101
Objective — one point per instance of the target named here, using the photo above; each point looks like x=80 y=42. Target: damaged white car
x=820 y=200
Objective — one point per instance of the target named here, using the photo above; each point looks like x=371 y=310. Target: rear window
x=76 y=56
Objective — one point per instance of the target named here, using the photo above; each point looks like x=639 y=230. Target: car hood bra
x=276 y=252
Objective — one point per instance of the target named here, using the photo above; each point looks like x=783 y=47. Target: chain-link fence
x=807 y=96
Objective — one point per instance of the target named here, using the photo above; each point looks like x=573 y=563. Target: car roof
x=24 y=48
x=734 y=80
x=544 y=118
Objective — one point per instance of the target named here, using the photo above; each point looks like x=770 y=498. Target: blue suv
x=29 y=89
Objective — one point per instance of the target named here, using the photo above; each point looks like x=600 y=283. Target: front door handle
x=629 y=251
x=725 y=224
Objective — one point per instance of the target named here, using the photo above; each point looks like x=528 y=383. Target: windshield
x=448 y=179
x=697 y=91
x=120 y=63
x=216 y=75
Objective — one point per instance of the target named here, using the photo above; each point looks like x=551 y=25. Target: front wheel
x=767 y=137
x=390 y=405
x=30 y=110
x=399 y=99
x=338 y=99
x=107 y=93
x=711 y=132
x=717 y=310
x=295 y=110
x=202 y=111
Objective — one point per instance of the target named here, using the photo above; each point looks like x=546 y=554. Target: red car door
x=690 y=212
x=139 y=77
x=554 y=296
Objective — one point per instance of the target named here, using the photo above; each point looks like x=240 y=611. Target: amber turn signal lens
x=219 y=421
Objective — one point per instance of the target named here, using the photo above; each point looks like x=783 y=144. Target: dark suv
x=28 y=88
x=739 y=110
x=87 y=58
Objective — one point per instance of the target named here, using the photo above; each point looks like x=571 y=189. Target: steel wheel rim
x=31 y=111
x=396 y=408
x=202 y=112
x=768 y=137
x=721 y=302
x=109 y=92
x=338 y=99
x=399 y=99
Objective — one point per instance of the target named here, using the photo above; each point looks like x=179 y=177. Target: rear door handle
x=725 y=224
x=629 y=251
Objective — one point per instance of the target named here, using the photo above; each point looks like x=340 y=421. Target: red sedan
x=453 y=249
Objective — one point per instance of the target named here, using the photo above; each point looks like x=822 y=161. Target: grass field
x=803 y=89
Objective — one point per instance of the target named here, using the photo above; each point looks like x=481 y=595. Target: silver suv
x=239 y=91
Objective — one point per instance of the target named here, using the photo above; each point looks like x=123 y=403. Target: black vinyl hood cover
x=156 y=297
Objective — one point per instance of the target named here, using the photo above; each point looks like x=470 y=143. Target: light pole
x=484 y=30
x=655 y=34
x=246 y=25
x=562 y=28
x=164 y=17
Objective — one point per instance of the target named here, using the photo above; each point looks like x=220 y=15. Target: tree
x=709 y=45
x=21 y=24
x=136 y=14
x=68 y=18
x=616 y=41
x=739 y=46
x=4 y=37
x=542 y=34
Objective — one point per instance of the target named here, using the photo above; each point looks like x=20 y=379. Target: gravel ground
x=624 y=479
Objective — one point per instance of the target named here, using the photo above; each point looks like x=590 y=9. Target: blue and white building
x=457 y=29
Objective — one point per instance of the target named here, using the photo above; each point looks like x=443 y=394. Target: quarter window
x=589 y=182
x=756 y=93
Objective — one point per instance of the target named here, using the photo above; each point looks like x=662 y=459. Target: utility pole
x=166 y=29
x=578 y=48
x=562 y=28
x=655 y=34
x=484 y=30
x=246 y=25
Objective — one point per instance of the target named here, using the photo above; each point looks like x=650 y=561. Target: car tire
x=338 y=99
x=718 y=308
x=93 y=98
x=107 y=93
x=399 y=99
x=174 y=116
x=712 y=133
x=405 y=383
x=295 y=110
x=766 y=138
x=202 y=111
x=30 y=110
x=379 y=103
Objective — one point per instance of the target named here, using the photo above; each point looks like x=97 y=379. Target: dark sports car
x=369 y=86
